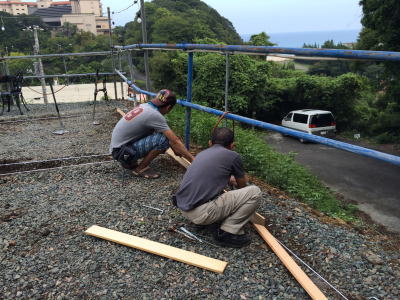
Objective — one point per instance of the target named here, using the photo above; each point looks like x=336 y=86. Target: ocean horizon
x=298 y=39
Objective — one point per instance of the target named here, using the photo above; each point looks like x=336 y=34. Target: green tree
x=381 y=23
x=261 y=39
x=329 y=68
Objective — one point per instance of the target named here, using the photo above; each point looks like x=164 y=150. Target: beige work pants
x=234 y=208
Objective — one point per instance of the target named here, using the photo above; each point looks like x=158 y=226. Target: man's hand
x=232 y=181
x=241 y=182
x=177 y=146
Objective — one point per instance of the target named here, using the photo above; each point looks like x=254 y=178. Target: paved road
x=373 y=184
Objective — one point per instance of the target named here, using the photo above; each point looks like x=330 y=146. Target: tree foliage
x=381 y=23
x=261 y=39
x=182 y=21
x=265 y=90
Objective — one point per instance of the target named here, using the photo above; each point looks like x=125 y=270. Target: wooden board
x=120 y=111
x=290 y=264
x=164 y=250
x=181 y=160
x=258 y=219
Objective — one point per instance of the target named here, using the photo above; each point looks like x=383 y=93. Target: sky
x=270 y=16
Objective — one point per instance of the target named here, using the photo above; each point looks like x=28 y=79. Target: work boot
x=231 y=240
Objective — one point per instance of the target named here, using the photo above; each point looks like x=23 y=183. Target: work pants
x=234 y=208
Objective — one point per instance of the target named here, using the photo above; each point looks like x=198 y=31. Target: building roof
x=15 y=2
x=62 y=3
x=53 y=12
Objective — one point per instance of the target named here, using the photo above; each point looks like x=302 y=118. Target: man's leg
x=234 y=208
x=239 y=206
x=149 y=148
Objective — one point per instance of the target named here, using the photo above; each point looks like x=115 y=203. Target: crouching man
x=144 y=133
x=201 y=198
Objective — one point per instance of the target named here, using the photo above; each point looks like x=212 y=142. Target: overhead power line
x=134 y=2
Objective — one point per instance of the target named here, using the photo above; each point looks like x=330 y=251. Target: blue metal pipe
x=316 y=52
x=189 y=99
x=309 y=137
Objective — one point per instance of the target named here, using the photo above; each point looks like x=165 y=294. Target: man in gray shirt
x=201 y=198
x=144 y=133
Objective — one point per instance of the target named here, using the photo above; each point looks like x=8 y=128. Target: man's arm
x=177 y=145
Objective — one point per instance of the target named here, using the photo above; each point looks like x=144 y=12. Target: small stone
x=373 y=258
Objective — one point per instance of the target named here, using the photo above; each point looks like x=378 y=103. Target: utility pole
x=112 y=52
x=146 y=52
x=40 y=65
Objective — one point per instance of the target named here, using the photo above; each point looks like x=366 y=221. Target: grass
x=262 y=161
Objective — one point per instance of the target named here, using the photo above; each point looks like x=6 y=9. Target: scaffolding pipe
x=260 y=50
x=298 y=134
x=144 y=38
x=69 y=75
x=105 y=53
x=112 y=51
x=189 y=99
x=226 y=83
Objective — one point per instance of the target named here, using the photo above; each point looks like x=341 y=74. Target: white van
x=312 y=121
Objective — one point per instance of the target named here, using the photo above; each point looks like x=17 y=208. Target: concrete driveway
x=373 y=184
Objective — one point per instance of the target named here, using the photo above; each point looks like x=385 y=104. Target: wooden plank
x=258 y=219
x=181 y=160
x=160 y=249
x=290 y=264
x=120 y=111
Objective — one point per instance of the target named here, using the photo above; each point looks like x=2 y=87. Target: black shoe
x=212 y=228
x=227 y=239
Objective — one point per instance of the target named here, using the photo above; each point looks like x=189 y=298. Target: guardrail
x=70 y=75
x=312 y=138
x=98 y=53
x=265 y=50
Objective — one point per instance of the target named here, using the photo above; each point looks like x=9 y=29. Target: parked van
x=312 y=121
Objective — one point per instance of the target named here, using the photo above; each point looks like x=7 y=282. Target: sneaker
x=227 y=239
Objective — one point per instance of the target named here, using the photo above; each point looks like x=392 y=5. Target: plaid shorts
x=156 y=141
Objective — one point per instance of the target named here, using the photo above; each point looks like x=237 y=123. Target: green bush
x=262 y=161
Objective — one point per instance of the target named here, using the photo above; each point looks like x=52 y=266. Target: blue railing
x=259 y=50
x=264 y=50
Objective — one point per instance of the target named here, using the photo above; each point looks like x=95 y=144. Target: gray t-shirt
x=207 y=176
x=136 y=124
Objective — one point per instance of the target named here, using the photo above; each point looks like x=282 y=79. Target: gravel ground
x=44 y=253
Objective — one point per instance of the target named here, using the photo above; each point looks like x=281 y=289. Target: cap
x=164 y=97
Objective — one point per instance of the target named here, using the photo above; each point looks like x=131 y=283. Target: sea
x=298 y=39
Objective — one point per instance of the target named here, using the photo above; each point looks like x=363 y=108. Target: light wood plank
x=258 y=219
x=181 y=160
x=120 y=111
x=160 y=249
x=290 y=264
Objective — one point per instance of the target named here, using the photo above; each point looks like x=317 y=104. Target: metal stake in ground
x=96 y=90
x=61 y=131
